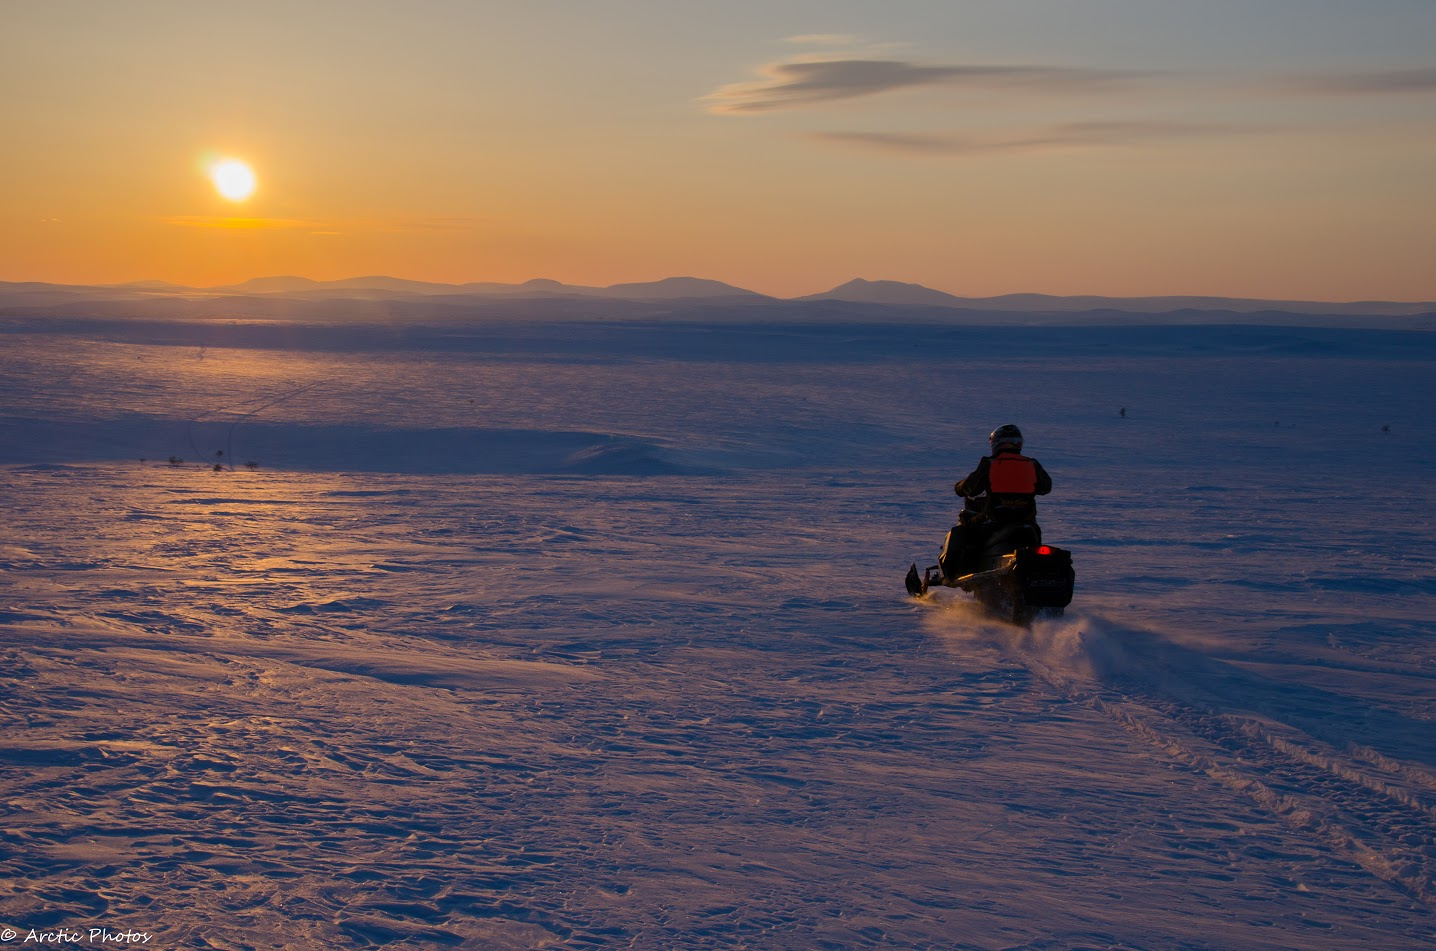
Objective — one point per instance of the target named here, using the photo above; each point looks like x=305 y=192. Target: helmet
x=1007 y=437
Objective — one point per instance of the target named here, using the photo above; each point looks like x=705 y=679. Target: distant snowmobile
x=1017 y=578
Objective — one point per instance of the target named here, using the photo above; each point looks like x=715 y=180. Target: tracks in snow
x=1364 y=806
x=237 y=413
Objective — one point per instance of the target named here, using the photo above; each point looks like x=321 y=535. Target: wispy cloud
x=1069 y=135
x=853 y=69
x=824 y=39
x=250 y=224
x=325 y=227
x=849 y=72
x=1386 y=82
x=804 y=82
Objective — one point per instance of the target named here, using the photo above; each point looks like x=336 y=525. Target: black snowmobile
x=1013 y=575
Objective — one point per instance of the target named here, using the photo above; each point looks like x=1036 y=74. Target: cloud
x=909 y=143
x=804 y=82
x=331 y=227
x=1069 y=135
x=253 y=224
x=870 y=70
x=1371 y=83
x=824 y=39
x=852 y=70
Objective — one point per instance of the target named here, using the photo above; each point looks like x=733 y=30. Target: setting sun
x=232 y=179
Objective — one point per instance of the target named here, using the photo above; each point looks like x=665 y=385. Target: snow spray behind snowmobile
x=1015 y=576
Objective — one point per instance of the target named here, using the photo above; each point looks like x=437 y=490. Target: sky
x=1263 y=148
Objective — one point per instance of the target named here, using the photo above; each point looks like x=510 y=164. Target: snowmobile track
x=1358 y=803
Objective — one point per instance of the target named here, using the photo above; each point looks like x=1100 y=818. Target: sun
x=232 y=179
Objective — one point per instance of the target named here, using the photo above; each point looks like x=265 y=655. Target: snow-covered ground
x=593 y=635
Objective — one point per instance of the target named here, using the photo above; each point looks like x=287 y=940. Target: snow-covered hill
x=591 y=634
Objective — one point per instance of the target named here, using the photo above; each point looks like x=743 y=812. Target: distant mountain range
x=896 y=293
x=673 y=288
x=887 y=299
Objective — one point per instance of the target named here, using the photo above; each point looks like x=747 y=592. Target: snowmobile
x=1015 y=576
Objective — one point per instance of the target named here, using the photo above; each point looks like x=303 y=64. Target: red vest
x=1011 y=474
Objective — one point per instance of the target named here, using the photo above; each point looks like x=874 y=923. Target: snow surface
x=592 y=635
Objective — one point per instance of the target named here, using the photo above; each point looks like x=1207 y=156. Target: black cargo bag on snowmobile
x=1045 y=576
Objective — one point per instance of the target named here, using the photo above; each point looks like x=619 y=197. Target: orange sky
x=784 y=148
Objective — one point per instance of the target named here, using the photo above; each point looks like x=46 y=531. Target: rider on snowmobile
x=1001 y=491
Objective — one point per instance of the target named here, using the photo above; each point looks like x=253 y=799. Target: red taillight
x=1043 y=550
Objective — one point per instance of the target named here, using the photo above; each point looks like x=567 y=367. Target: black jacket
x=998 y=506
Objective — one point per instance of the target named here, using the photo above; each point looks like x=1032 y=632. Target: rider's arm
x=1044 y=481
x=976 y=482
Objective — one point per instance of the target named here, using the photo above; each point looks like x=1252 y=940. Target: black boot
x=916 y=586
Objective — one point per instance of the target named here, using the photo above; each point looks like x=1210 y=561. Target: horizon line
x=141 y=284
